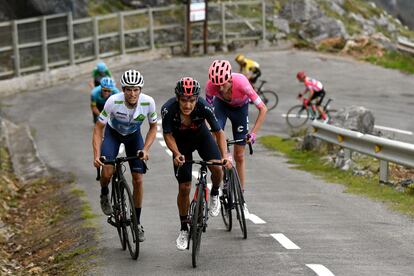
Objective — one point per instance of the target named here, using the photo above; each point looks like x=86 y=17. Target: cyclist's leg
x=240 y=123
x=220 y=112
x=109 y=149
x=321 y=96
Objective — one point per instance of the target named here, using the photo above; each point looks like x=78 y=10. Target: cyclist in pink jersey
x=316 y=91
x=230 y=94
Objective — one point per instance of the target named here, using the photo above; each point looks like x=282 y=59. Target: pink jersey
x=241 y=92
x=313 y=84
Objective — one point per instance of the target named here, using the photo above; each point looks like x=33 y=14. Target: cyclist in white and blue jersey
x=123 y=116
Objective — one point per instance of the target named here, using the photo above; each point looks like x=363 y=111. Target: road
x=330 y=232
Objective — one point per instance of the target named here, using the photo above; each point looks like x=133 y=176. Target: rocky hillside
x=401 y=9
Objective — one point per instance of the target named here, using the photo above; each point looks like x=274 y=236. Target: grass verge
x=368 y=186
x=394 y=60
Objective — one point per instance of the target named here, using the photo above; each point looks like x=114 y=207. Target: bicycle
x=299 y=114
x=198 y=212
x=123 y=216
x=269 y=97
x=232 y=197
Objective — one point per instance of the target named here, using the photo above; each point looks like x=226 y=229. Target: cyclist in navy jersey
x=185 y=130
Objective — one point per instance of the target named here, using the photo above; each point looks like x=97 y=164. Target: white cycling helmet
x=132 y=78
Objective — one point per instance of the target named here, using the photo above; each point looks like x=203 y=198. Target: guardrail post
x=223 y=24
x=121 y=33
x=347 y=154
x=264 y=21
x=71 y=46
x=383 y=177
x=16 y=49
x=96 y=37
x=151 y=28
x=44 y=44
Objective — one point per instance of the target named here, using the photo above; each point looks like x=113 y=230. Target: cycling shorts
x=206 y=147
x=133 y=142
x=320 y=94
x=239 y=117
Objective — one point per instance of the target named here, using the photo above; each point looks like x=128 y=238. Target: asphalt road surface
x=302 y=225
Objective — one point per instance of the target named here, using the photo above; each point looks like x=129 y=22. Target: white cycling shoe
x=214 y=209
x=182 y=240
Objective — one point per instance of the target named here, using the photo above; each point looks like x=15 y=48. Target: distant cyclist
x=230 y=94
x=316 y=92
x=100 y=94
x=185 y=131
x=121 y=121
x=249 y=68
x=100 y=71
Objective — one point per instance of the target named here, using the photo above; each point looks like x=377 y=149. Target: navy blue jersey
x=171 y=121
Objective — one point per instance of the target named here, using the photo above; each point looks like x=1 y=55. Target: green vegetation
x=97 y=7
x=394 y=60
x=369 y=186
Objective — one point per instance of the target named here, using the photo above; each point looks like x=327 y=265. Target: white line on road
x=159 y=135
x=394 y=130
x=320 y=270
x=163 y=144
x=169 y=152
x=195 y=175
x=284 y=241
x=159 y=122
x=293 y=115
x=255 y=219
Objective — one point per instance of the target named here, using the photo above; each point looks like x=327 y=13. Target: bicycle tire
x=197 y=225
x=115 y=201
x=239 y=202
x=226 y=206
x=129 y=223
x=297 y=116
x=270 y=99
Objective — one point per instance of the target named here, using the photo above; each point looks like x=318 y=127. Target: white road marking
x=195 y=175
x=169 y=152
x=159 y=122
x=159 y=135
x=394 y=130
x=255 y=219
x=158 y=127
x=284 y=241
x=162 y=143
x=293 y=115
x=320 y=270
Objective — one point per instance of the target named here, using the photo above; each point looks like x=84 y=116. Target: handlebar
x=232 y=142
x=119 y=160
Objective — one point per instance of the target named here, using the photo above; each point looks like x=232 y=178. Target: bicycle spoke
x=130 y=226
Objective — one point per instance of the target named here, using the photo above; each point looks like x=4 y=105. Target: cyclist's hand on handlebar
x=97 y=162
x=179 y=160
x=251 y=138
x=226 y=163
x=143 y=154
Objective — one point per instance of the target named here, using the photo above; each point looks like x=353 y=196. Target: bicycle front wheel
x=238 y=201
x=197 y=225
x=270 y=99
x=129 y=222
x=226 y=204
x=297 y=116
x=117 y=212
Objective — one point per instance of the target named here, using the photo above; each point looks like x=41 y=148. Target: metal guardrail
x=405 y=46
x=41 y=43
x=385 y=150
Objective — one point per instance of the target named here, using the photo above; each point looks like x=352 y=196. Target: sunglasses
x=106 y=90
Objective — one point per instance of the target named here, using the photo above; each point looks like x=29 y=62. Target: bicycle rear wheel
x=197 y=225
x=270 y=99
x=226 y=205
x=117 y=213
x=297 y=116
x=238 y=201
x=129 y=222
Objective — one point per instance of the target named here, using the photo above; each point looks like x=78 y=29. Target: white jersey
x=126 y=120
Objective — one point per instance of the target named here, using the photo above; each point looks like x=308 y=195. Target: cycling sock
x=184 y=223
x=104 y=190
x=214 y=191
x=138 y=213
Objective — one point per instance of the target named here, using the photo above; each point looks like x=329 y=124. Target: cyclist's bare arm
x=260 y=119
x=149 y=139
x=172 y=145
x=98 y=131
